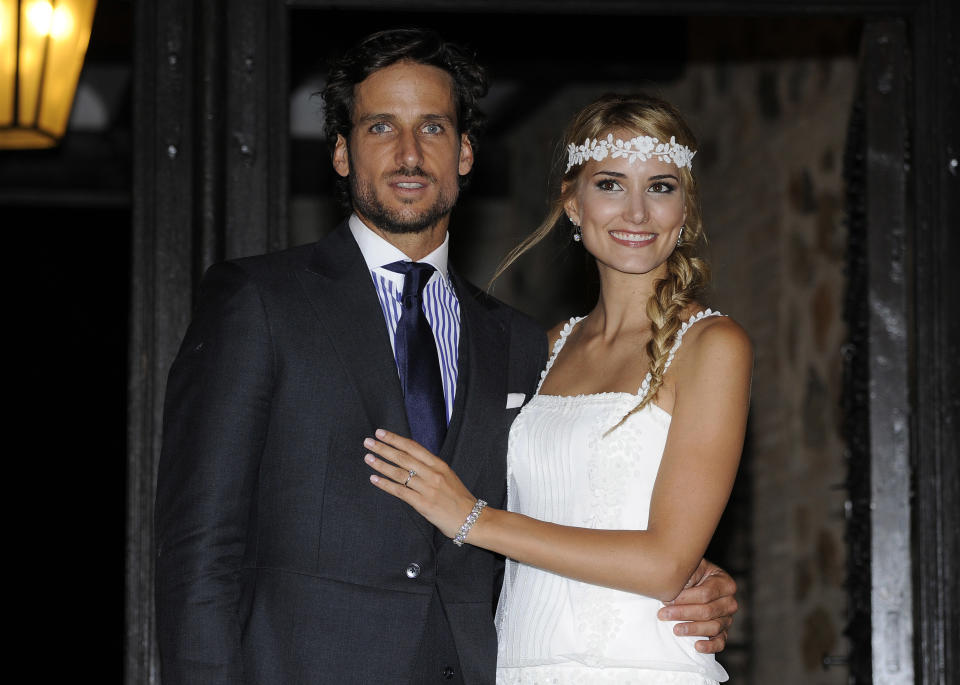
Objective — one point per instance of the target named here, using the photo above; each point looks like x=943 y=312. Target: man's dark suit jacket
x=277 y=561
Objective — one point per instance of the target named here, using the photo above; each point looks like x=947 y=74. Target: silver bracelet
x=468 y=524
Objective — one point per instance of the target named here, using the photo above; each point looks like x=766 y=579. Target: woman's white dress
x=560 y=468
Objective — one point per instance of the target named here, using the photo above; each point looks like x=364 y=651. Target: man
x=277 y=561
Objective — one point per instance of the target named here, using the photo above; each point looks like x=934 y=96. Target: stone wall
x=772 y=196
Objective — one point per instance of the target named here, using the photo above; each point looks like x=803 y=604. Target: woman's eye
x=608 y=185
x=662 y=187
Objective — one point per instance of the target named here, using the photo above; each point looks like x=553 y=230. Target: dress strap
x=706 y=313
x=557 y=346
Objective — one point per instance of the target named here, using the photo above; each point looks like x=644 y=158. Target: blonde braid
x=686 y=275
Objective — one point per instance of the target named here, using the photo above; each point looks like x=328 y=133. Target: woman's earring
x=680 y=237
x=577 y=236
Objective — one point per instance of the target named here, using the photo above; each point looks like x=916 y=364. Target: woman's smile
x=632 y=239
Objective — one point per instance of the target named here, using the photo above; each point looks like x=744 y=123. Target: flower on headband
x=641 y=147
x=597 y=151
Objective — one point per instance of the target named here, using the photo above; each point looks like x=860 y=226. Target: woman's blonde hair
x=686 y=273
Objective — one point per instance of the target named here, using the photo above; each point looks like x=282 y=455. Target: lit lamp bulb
x=42 y=45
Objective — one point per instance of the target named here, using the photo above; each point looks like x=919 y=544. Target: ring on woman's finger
x=411 y=473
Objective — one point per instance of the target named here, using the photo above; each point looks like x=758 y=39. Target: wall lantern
x=42 y=45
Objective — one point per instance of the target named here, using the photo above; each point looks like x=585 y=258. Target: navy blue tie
x=417 y=360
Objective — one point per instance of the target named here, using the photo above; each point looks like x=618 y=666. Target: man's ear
x=341 y=157
x=466 y=155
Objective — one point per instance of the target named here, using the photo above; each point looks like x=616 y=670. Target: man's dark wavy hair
x=379 y=50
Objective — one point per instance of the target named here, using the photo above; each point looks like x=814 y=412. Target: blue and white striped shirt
x=440 y=302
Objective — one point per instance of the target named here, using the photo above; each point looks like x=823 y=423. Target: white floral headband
x=641 y=147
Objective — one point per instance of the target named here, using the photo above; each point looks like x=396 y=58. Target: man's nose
x=409 y=153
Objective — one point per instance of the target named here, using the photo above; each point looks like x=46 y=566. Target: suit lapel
x=338 y=285
x=481 y=386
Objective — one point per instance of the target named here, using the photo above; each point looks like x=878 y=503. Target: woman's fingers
x=411 y=473
x=397 y=474
x=407 y=454
x=398 y=464
x=390 y=453
x=398 y=490
x=411 y=447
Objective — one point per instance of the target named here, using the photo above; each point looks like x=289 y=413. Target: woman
x=620 y=466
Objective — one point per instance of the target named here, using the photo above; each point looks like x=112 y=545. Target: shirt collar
x=377 y=251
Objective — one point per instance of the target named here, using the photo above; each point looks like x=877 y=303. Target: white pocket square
x=515 y=399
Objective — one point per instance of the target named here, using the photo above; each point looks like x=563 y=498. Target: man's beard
x=389 y=220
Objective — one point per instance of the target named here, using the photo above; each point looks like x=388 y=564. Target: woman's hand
x=410 y=472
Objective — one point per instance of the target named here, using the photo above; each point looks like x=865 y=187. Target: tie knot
x=415 y=276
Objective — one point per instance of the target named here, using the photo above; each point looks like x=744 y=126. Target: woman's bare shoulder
x=718 y=339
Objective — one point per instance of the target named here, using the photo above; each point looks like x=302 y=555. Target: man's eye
x=433 y=128
x=380 y=127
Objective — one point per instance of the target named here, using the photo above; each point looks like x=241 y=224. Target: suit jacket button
x=413 y=570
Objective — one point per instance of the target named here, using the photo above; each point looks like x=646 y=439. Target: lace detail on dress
x=645 y=386
x=574 y=675
x=599 y=622
x=613 y=462
x=557 y=346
